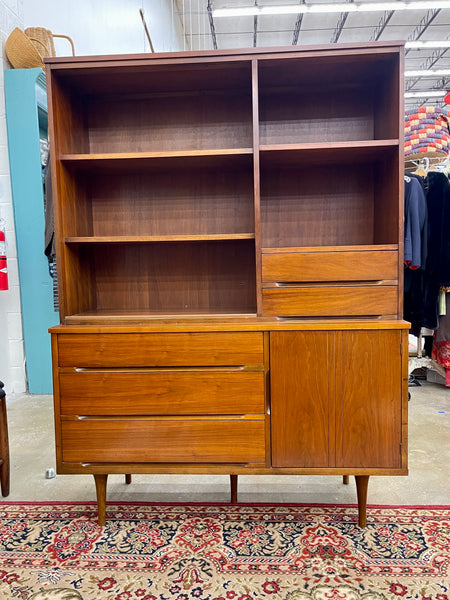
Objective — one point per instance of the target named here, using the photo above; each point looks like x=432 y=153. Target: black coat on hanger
x=437 y=271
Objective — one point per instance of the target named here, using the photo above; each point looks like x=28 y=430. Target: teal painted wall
x=26 y=117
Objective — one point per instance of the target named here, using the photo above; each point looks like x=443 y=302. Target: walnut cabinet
x=229 y=245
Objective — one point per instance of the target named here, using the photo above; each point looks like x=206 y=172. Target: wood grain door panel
x=300 y=383
x=160 y=349
x=163 y=440
x=176 y=392
x=369 y=392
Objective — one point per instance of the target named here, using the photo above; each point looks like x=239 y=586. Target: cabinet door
x=301 y=376
x=368 y=399
x=336 y=399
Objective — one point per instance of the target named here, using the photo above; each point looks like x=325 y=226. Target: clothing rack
x=427 y=163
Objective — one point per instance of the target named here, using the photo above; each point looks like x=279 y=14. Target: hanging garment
x=49 y=234
x=437 y=269
x=441 y=340
x=415 y=250
x=415 y=220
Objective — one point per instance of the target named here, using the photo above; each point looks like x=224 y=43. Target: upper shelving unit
x=190 y=183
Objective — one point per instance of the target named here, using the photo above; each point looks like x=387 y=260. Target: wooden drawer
x=194 y=392
x=330 y=301
x=373 y=265
x=163 y=440
x=160 y=349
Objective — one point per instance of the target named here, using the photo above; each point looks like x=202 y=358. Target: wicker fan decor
x=21 y=52
x=27 y=49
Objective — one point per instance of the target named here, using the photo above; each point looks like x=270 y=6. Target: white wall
x=107 y=26
x=12 y=368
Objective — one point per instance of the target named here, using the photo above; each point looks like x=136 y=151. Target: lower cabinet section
x=298 y=400
x=164 y=440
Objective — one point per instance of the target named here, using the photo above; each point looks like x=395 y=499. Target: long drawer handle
x=346 y=283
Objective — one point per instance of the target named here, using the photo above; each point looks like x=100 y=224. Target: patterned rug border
x=243 y=504
x=223 y=551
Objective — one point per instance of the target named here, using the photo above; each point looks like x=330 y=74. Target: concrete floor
x=30 y=419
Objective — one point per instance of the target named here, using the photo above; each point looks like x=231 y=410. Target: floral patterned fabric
x=441 y=353
x=223 y=552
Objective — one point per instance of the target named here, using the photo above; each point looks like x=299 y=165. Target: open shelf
x=329 y=204
x=140 y=316
x=180 y=277
x=130 y=239
x=154 y=109
x=347 y=97
x=225 y=157
x=327 y=152
x=314 y=249
x=191 y=201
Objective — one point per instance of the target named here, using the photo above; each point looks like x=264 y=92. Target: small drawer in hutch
x=316 y=266
x=330 y=301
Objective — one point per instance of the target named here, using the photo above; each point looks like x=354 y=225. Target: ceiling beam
x=444 y=85
x=387 y=16
x=428 y=64
x=297 y=26
x=255 y=27
x=340 y=25
x=211 y=25
x=422 y=26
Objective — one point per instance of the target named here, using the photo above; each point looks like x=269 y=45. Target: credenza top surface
x=251 y=323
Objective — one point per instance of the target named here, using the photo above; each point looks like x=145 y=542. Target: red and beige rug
x=223 y=552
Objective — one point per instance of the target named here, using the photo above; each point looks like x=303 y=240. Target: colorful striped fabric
x=427 y=131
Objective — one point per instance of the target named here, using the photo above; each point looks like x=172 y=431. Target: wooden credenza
x=230 y=239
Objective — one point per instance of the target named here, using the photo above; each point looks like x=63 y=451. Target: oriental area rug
x=223 y=552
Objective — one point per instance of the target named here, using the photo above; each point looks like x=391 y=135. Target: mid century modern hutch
x=230 y=239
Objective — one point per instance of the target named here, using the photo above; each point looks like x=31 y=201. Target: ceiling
x=204 y=31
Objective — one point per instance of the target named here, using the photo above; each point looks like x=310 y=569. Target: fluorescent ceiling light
x=426 y=94
x=430 y=44
x=290 y=9
x=428 y=73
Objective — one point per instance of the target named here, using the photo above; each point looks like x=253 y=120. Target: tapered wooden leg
x=234 y=488
x=127 y=478
x=345 y=479
x=100 y=486
x=362 y=481
x=4 y=449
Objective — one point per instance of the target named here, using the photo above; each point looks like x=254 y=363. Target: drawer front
x=163 y=440
x=330 y=301
x=162 y=392
x=160 y=349
x=373 y=265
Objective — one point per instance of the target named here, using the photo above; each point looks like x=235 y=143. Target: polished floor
x=32 y=452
